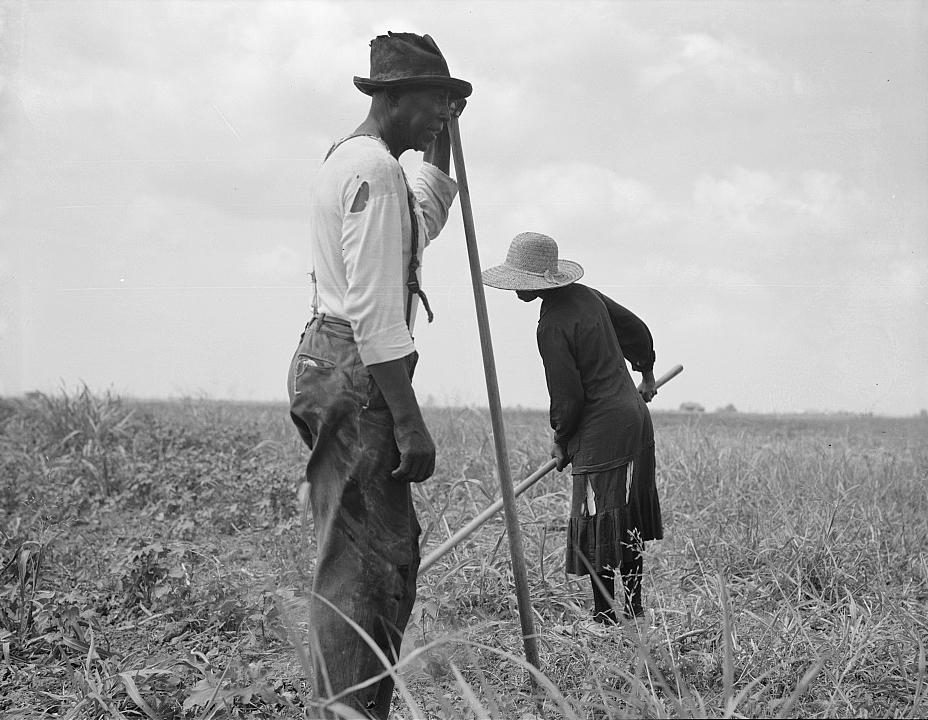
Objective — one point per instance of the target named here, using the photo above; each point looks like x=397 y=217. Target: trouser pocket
x=320 y=380
x=305 y=364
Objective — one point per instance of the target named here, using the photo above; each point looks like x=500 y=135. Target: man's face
x=526 y=295
x=422 y=113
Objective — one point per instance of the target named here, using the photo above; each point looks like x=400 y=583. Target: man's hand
x=417 y=452
x=647 y=389
x=439 y=152
x=557 y=452
x=457 y=106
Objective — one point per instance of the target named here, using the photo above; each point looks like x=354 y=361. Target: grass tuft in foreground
x=153 y=564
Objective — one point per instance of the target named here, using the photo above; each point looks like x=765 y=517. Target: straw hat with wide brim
x=407 y=59
x=532 y=264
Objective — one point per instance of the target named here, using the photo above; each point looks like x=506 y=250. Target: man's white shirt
x=361 y=259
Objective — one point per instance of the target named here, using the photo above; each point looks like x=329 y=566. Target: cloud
x=742 y=227
x=701 y=63
x=185 y=81
x=669 y=270
x=756 y=203
x=573 y=195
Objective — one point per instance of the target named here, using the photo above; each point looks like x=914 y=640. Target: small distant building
x=691 y=407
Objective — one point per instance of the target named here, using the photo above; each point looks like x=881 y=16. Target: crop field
x=153 y=561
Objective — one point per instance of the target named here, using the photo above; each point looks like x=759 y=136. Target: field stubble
x=152 y=564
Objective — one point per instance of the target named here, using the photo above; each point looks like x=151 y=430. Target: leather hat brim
x=458 y=88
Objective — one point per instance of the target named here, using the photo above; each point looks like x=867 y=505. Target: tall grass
x=792 y=580
x=152 y=564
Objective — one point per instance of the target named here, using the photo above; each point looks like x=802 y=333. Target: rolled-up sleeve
x=435 y=192
x=563 y=379
x=372 y=249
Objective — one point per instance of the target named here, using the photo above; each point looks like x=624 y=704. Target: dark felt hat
x=399 y=59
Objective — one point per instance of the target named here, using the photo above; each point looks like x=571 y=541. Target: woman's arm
x=564 y=386
x=633 y=335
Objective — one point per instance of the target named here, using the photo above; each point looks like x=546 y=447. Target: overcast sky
x=750 y=178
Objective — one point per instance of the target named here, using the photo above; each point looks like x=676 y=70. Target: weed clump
x=152 y=563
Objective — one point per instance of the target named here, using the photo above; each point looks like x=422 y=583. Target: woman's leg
x=603 y=584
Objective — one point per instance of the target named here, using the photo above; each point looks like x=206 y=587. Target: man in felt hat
x=351 y=396
x=601 y=424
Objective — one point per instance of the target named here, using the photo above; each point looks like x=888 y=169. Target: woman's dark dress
x=601 y=420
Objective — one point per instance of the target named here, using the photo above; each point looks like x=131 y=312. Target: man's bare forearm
x=392 y=377
x=417 y=451
x=439 y=152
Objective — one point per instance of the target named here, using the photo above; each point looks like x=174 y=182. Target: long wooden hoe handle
x=519 y=574
x=491 y=510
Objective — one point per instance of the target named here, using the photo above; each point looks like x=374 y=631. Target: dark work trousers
x=367 y=553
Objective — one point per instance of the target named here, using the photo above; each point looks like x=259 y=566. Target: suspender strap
x=412 y=283
x=345 y=139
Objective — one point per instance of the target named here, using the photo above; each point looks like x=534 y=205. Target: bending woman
x=601 y=424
